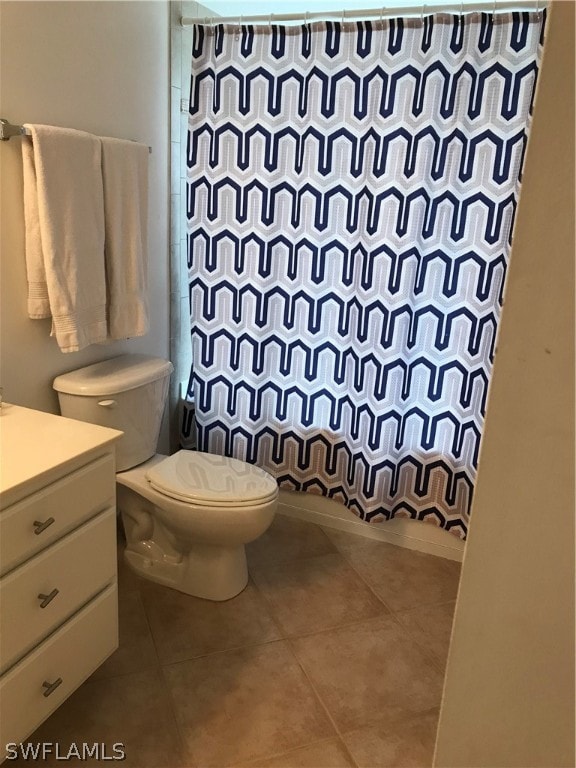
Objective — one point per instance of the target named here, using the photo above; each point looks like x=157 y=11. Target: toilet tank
x=127 y=393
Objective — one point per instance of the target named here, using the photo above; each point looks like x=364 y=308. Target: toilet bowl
x=187 y=517
x=195 y=545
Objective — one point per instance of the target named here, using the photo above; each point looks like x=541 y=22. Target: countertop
x=34 y=446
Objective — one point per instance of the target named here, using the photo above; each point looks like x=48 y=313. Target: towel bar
x=7 y=131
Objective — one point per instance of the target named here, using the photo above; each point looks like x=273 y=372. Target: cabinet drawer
x=26 y=527
x=62 y=578
x=70 y=654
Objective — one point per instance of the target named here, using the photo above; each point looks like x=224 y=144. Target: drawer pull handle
x=39 y=527
x=46 y=599
x=51 y=687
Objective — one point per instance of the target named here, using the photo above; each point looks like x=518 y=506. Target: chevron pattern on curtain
x=350 y=202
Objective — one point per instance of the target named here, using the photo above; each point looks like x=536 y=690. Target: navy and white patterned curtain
x=350 y=200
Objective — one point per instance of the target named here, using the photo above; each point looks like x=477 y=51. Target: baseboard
x=409 y=534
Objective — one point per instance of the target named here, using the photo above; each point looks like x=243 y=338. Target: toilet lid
x=205 y=478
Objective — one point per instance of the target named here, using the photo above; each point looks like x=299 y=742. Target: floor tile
x=132 y=710
x=286 y=540
x=316 y=593
x=243 y=705
x=402 y=744
x=185 y=627
x=401 y=577
x=431 y=626
x=323 y=754
x=369 y=672
x=136 y=651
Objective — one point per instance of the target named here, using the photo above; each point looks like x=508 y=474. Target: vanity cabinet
x=58 y=586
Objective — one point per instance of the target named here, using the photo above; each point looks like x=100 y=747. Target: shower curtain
x=351 y=195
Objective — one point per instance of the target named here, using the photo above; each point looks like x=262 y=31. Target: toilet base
x=194 y=549
x=212 y=573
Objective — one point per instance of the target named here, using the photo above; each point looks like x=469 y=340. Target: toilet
x=187 y=517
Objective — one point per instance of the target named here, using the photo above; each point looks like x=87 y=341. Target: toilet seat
x=212 y=481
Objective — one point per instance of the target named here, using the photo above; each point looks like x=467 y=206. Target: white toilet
x=187 y=516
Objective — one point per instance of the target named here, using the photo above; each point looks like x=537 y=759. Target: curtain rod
x=488 y=6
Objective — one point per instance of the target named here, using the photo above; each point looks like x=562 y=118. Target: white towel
x=64 y=216
x=38 y=301
x=125 y=175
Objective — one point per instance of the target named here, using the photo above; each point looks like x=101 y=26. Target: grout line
x=342 y=734
x=221 y=651
x=293 y=751
x=286 y=634
x=216 y=652
x=269 y=606
x=182 y=745
x=438 y=663
x=361 y=576
x=255 y=644
x=181 y=741
x=321 y=702
x=379 y=597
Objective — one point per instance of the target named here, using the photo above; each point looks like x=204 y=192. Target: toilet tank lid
x=110 y=377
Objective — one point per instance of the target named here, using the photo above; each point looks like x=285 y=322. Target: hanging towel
x=64 y=217
x=125 y=176
x=38 y=301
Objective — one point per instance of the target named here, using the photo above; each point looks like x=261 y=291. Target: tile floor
x=333 y=656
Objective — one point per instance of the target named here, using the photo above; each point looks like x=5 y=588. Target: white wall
x=509 y=690
x=101 y=67
x=266 y=7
